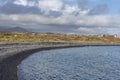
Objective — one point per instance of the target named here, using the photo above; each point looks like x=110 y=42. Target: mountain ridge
x=13 y=29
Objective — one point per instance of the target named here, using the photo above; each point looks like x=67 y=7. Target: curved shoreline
x=11 y=54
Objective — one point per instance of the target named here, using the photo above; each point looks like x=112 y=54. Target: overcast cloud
x=66 y=16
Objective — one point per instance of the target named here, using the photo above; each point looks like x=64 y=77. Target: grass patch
x=35 y=37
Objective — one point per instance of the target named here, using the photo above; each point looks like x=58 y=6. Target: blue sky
x=113 y=5
x=63 y=16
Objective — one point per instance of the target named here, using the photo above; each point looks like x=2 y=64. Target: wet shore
x=11 y=54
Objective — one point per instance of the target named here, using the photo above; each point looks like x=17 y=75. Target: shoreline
x=11 y=54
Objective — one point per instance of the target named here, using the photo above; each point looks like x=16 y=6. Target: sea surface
x=83 y=63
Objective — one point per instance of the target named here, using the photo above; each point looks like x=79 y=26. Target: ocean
x=82 y=63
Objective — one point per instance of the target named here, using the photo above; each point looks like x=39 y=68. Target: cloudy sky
x=62 y=16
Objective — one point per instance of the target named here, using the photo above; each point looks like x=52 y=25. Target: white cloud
x=54 y=5
x=70 y=9
x=44 y=5
x=21 y=2
x=87 y=21
x=84 y=12
x=25 y=2
x=68 y=16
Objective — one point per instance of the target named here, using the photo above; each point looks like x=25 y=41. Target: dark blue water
x=84 y=63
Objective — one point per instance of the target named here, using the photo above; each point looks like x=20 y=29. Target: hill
x=12 y=29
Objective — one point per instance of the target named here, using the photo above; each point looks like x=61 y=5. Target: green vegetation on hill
x=35 y=37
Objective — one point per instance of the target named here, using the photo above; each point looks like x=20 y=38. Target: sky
x=62 y=16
